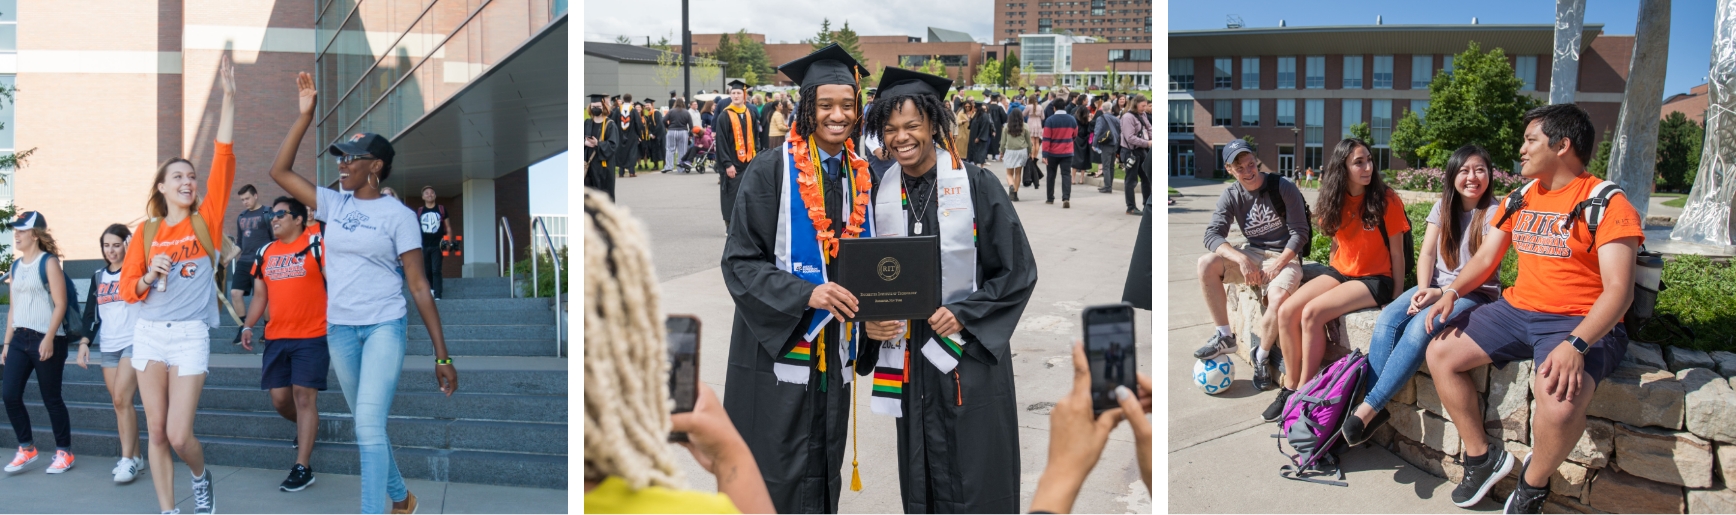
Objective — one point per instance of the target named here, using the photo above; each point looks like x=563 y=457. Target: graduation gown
x=726 y=157
x=958 y=438
x=1138 y=289
x=981 y=128
x=598 y=175
x=627 y=153
x=797 y=433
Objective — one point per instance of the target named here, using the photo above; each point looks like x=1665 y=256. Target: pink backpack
x=1313 y=415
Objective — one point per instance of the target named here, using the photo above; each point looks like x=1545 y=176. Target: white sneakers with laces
x=127 y=469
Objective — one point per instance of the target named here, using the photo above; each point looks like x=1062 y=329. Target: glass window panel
x=1250 y=73
x=1221 y=113
x=1314 y=121
x=1352 y=114
x=1250 y=112
x=1383 y=72
x=1420 y=107
x=1287 y=73
x=8 y=12
x=1526 y=67
x=8 y=37
x=1352 y=72
x=1422 y=71
x=1316 y=72
x=8 y=113
x=1286 y=112
x=1447 y=63
x=1381 y=125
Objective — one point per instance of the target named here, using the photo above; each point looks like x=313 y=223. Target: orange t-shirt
x=294 y=287
x=1362 y=251
x=1556 y=273
x=192 y=292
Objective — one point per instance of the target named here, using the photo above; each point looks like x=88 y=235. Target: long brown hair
x=157 y=206
x=1450 y=210
x=45 y=241
x=1335 y=186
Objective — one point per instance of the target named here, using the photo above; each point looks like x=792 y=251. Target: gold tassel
x=855 y=440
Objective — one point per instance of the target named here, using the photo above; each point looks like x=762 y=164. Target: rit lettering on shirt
x=1542 y=234
x=108 y=292
x=285 y=266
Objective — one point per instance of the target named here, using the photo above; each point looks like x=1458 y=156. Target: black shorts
x=1379 y=286
x=241 y=278
x=1507 y=333
x=296 y=361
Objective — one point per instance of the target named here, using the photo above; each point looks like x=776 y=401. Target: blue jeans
x=368 y=359
x=1393 y=357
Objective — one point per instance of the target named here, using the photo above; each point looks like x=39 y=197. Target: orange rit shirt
x=1362 y=251
x=1556 y=273
x=295 y=290
x=192 y=292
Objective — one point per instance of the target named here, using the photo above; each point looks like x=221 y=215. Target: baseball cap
x=1235 y=148
x=29 y=220
x=364 y=143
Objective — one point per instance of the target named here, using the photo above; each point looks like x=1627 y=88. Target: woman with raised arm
x=367 y=238
x=170 y=272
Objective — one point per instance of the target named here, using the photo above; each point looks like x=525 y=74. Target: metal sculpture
x=1707 y=217
x=1633 y=156
x=1564 y=68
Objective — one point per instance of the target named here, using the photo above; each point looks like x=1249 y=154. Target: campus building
x=1298 y=90
x=1692 y=104
x=106 y=94
x=1115 y=21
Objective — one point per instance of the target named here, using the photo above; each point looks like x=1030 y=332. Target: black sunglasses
x=351 y=158
x=279 y=214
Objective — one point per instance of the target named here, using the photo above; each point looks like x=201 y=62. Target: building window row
x=1181 y=75
x=1180 y=116
x=1314 y=73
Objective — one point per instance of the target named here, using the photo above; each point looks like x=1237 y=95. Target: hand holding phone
x=683 y=335
x=1110 y=353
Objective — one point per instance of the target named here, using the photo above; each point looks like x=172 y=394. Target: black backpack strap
x=1515 y=202
x=1593 y=209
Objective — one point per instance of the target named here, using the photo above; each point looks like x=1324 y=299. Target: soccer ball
x=1215 y=375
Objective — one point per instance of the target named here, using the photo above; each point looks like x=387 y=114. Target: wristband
x=447 y=362
x=1455 y=292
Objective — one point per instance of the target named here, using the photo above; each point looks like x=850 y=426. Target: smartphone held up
x=683 y=336
x=1110 y=353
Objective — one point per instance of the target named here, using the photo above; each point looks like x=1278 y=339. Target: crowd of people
x=1576 y=237
x=796 y=354
x=326 y=267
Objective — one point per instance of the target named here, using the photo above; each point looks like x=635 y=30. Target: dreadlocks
x=932 y=107
x=808 y=115
x=626 y=365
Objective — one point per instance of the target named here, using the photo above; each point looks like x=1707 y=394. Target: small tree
x=824 y=38
x=1479 y=103
x=989 y=72
x=623 y=40
x=1679 y=144
x=1362 y=132
x=668 y=64
x=1407 y=137
x=847 y=39
x=1599 y=164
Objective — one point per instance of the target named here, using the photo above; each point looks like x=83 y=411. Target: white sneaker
x=128 y=469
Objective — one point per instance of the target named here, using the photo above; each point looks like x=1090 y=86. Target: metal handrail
x=554 y=257
x=503 y=255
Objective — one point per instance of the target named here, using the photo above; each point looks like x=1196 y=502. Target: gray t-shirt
x=1445 y=276
x=1259 y=219
x=363 y=239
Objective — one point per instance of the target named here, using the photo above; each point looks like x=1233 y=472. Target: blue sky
x=1690 y=22
x=548 y=186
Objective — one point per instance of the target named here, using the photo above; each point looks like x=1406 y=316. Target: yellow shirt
x=613 y=496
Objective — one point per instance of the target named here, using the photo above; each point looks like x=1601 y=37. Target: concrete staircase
x=507 y=425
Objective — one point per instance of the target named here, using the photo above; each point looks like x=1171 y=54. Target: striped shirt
x=1058 y=133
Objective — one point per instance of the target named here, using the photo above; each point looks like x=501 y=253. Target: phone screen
x=683 y=361
x=1109 y=352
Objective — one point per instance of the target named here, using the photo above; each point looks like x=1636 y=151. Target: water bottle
x=163 y=283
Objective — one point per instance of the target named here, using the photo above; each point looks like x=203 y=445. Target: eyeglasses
x=279 y=214
x=351 y=158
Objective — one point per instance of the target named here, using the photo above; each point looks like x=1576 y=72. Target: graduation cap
x=597 y=97
x=737 y=84
x=830 y=65
x=898 y=82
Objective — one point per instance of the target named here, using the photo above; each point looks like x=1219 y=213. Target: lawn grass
x=1174 y=192
x=1681 y=201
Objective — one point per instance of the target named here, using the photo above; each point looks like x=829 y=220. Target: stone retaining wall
x=1661 y=436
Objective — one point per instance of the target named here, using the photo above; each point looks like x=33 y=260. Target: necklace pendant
x=918 y=228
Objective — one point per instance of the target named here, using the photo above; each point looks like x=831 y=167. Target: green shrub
x=1702 y=293
x=545 y=282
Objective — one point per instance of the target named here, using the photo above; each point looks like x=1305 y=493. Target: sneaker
x=1217 y=345
x=128 y=469
x=409 y=503
x=1526 y=499
x=1355 y=433
x=203 y=500
x=1065 y=204
x=1276 y=410
x=1263 y=378
x=299 y=478
x=1015 y=196
x=1479 y=479
x=1050 y=201
x=24 y=457
x=62 y=461
x=176 y=511
x=1135 y=211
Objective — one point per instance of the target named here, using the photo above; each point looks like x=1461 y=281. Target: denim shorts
x=295 y=361
x=1508 y=334
x=185 y=344
x=113 y=359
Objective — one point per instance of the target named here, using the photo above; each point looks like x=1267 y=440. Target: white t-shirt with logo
x=118 y=317
x=363 y=240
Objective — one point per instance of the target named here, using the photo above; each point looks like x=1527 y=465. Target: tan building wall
x=1693 y=104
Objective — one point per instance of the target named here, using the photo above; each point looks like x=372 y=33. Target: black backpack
x=1276 y=197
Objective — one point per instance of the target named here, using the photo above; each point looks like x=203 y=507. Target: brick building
x=103 y=112
x=1115 y=21
x=1693 y=104
x=1305 y=86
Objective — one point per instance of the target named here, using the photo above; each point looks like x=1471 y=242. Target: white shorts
x=185 y=344
x=1015 y=158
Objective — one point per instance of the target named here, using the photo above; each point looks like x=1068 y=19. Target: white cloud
x=784 y=21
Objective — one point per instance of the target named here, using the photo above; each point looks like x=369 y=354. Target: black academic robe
x=958 y=441
x=1138 y=289
x=998 y=116
x=726 y=157
x=654 y=144
x=797 y=433
x=981 y=134
x=627 y=155
x=599 y=162
x=762 y=125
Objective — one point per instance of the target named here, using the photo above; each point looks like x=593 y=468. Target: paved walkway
x=1082 y=254
x=90 y=488
x=1222 y=458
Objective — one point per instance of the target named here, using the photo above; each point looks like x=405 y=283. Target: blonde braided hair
x=626 y=362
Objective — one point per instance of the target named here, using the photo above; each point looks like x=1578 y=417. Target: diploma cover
x=893 y=278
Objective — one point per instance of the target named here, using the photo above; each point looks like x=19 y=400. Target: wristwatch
x=1579 y=344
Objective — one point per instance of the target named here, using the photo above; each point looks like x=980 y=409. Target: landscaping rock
x=1681 y=359
x=1509 y=402
x=1558 y=503
x=1722 y=500
x=1726 y=361
x=1710 y=410
x=1670 y=457
x=1727 y=463
x=1617 y=492
x=1430 y=399
x=1595 y=446
x=1407 y=394
x=1359 y=328
x=1480 y=377
x=1406 y=420
x=1430 y=460
x=1570 y=479
x=1646 y=354
x=1641 y=396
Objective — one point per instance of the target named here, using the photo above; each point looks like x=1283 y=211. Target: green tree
x=989 y=73
x=1362 y=132
x=873 y=79
x=1479 y=103
x=1407 y=137
x=741 y=55
x=668 y=66
x=623 y=40
x=1679 y=144
x=1599 y=164
x=824 y=38
x=846 y=37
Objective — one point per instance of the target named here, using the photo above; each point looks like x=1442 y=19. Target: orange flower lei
x=813 y=193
